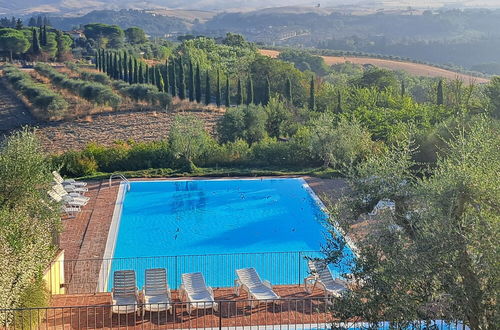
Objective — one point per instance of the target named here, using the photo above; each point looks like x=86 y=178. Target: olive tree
x=187 y=139
x=339 y=144
x=29 y=220
x=436 y=255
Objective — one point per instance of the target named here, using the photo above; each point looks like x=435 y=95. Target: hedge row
x=88 y=75
x=39 y=95
x=137 y=92
x=94 y=92
x=144 y=92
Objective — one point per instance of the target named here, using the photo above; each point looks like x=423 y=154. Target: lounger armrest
x=211 y=291
x=268 y=284
x=182 y=292
x=237 y=287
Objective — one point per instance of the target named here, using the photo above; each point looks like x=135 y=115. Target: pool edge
x=111 y=239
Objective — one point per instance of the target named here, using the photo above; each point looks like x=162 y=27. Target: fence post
x=300 y=257
x=220 y=315
x=176 y=273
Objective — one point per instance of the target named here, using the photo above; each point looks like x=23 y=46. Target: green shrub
x=76 y=164
x=35 y=295
x=144 y=92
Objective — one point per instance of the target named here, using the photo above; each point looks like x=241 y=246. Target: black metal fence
x=290 y=313
x=96 y=275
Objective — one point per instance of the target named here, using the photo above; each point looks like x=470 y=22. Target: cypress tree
x=312 y=96
x=198 y=84
x=159 y=80
x=115 y=66
x=103 y=61
x=249 y=90
x=147 y=79
x=191 y=82
x=440 y=94
x=218 y=95
x=288 y=91
x=35 y=44
x=239 y=93
x=130 y=77
x=141 y=74
x=96 y=60
x=109 y=64
x=152 y=74
x=136 y=71
x=339 y=102
x=45 y=35
x=125 y=66
x=182 y=80
x=166 y=78
x=40 y=35
x=267 y=91
x=120 y=66
x=227 y=95
x=173 y=78
x=403 y=88
x=208 y=92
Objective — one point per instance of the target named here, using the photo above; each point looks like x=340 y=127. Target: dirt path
x=412 y=68
x=107 y=128
x=13 y=113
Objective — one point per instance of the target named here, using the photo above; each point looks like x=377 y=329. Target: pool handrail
x=120 y=176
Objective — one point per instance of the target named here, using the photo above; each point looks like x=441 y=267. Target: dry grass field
x=412 y=68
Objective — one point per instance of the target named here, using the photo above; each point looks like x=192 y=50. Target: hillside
x=412 y=68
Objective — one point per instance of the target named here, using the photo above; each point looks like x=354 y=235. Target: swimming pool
x=217 y=226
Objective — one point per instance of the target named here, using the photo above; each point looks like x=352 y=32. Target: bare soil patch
x=412 y=68
x=106 y=129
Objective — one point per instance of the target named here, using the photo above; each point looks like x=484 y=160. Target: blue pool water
x=217 y=226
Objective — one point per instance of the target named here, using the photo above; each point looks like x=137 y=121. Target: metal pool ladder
x=120 y=176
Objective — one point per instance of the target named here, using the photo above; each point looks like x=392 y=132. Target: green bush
x=35 y=295
x=98 y=77
x=93 y=92
x=76 y=164
x=38 y=94
x=144 y=92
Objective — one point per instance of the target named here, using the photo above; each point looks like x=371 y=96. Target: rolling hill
x=412 y=68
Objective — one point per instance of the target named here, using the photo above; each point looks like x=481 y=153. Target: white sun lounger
x=77 y=189
x=70 y=210
x=156 y=292
x=68 y=200
x=59 y=179
x=249 y=281
x=323 y=277
x=124 y=295
x=59 y=189
x=197 y=294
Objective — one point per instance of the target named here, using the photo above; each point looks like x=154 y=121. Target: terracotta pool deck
x=296 y=307
x=84 y=239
